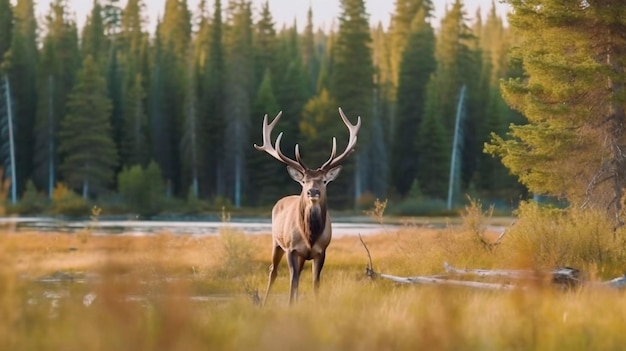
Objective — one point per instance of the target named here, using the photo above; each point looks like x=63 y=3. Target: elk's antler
x=354 y=130
x=275 y=151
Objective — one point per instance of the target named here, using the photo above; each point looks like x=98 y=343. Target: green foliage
x=32 y=201
x=22 y=70
x=418 y=206
x=143 y=189
x=571 y=93
x=6 y=27
x=417 y=65
x=434 y=146
x=269 y=177
x=59 y=62
x=87 y=150
x=203 y=66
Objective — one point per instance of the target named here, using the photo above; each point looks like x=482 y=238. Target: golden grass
x=183 y=292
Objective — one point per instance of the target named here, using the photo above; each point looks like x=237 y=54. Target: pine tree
x=59 y=60
x=134 y=148
x=572 y=96
x=316 y=138
x=135 y=142
x=6 y=27
x=310 y=55
x=239 y=95
x=174 y=35
x=86 y=146
x=93 y=40
x=400 y=29
x=23 y=76
x=213 y=107
x=351 y=84
x=266 y=188
x=265 y=44
x=434 y=145
x=417 y=65
x=291 y=89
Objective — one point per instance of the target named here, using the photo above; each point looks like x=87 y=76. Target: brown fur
x=312 y=220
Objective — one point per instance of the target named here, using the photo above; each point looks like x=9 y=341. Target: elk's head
x=313 y=181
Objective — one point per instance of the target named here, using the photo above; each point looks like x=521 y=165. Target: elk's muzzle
x=313 y=194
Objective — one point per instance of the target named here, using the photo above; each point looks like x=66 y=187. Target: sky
x=284 y=11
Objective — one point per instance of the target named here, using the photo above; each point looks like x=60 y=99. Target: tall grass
x=182 y=292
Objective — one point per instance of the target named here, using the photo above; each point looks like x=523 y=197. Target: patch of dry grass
x=183 y=292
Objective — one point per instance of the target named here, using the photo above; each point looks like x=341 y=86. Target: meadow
x=61 y=291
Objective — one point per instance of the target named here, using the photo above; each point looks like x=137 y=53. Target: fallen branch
x=369 y=271
x=564 y=276
x=441 y=281
x=508 y=273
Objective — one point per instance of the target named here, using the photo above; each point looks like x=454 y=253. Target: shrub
x=142 y=189
x=547 y=237
x=32 y=202
x=67 y=202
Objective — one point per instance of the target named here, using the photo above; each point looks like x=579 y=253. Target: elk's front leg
x=295 y=263
x=318 y=264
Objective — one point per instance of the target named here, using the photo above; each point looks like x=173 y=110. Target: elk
x=301 y=225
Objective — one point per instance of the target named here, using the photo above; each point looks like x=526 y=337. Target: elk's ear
x=331 y=174
x=295 y=174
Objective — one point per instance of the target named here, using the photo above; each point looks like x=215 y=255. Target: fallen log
x=564 y=276
x=441 y=281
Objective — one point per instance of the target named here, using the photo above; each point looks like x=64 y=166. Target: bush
x=32 y=202
x=67 y=202
x=547 y=237
x=418 y=207
x=143 y=190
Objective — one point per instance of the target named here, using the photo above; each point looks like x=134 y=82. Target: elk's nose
x=313 y=193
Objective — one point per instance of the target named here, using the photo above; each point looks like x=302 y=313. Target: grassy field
x=164 y=292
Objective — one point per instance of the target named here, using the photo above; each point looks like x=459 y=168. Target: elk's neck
x=312 y=220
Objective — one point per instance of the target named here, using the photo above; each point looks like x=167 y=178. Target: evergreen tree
x=174 y=40
x=400 y=29
x=457 y=66
x=418 y=63
x=59 y=61
x=265 y=44
x=213 y=107
x=6 y=27
x=23 y=76
x=291 y=90
x=133 y=52
x=316 y=138
x=86 y=147
x=239 y=95
x=93 y=40
x=310 y=55
x=135 y=149
x=572 y=95
x=434 y=146
x=351 y=85
x=265 y=187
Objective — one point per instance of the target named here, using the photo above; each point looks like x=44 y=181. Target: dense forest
x=115 y=108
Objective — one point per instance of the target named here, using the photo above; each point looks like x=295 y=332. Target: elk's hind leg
x=277 y=255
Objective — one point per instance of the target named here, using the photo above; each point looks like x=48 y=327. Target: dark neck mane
x=312 y=220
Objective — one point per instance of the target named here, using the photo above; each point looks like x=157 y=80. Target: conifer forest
x=529 y=105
